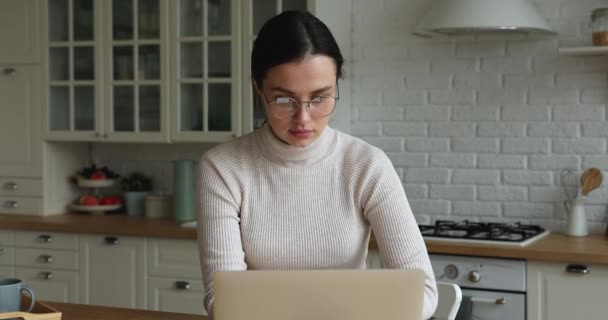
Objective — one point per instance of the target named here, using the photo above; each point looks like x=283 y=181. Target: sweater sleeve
x=396 y=231
x=219 y=234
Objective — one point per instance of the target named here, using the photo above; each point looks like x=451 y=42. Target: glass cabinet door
x=206 y=70
x=136 y=89
x=72 y=73
x=256 y=13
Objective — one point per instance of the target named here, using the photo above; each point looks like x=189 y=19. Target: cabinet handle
x=46 y=258
x=500 y=300
x=105 y=135
x=96 y=134
x=111 y=240
x=182 y=285
x=46 y=275
x=11 y=204
x=45 y=238
x=1 y=250
x=11 y=185
x=9 y=71
x=577 y=268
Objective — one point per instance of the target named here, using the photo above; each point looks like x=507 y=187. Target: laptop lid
x=387 y=294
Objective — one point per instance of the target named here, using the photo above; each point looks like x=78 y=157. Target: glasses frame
x=299 y=102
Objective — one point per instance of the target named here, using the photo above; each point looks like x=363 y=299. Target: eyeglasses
x=287 y=107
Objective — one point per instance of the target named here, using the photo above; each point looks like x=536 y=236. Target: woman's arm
x=219 y=236
x=396 y=231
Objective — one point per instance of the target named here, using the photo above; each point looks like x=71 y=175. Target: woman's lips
x=301 y=134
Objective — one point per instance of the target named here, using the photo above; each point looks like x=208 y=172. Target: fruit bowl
x=94 y=209
x=95 y=183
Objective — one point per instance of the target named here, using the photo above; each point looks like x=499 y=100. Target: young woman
x=295 y=193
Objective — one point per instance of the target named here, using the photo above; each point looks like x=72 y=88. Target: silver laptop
x=386 y=294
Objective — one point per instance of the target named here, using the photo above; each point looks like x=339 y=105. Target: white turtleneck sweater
x=264 y=204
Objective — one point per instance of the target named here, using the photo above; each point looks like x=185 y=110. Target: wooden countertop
x=72 y=311
x=554 y=247
x=104 y=224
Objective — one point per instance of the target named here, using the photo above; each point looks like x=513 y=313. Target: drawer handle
x=577 y=268
x=182 y=285
x=46 y=258
x=9 y=71
x=11 y=185
x=45 y=238
x=11 y=204
x=500 y=300
x=111 y=240
x=1 y=250
x=46 y=275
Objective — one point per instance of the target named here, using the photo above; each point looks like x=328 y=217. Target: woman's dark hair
x=291 y=36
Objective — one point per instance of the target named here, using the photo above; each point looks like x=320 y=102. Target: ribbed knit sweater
x=264 y=204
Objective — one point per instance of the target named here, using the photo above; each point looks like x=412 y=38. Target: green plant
x=136 y=181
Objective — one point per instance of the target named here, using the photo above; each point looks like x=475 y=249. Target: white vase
x=577 y=221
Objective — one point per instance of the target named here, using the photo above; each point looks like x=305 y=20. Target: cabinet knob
x=46 y=258
x=182 y=285
x=1 y=251
x=9 y=71
x=111 y=240
x=46 y=275
x=105 y=136
x=11 y=185
x=11 y=204
x=96 y=135
x=577 y=269
x=45 y=238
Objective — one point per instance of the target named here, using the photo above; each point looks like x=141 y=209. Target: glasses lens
x=322 y=106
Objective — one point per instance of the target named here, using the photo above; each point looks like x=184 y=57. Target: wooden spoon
x=590 y=180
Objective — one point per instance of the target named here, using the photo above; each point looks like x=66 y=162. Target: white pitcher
x=577 y=222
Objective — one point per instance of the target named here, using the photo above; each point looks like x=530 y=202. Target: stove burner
x=515 y=232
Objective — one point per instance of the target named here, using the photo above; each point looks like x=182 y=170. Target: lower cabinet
x=176 y=295
x=49 y=284
x=119 y=271
x=175 y=283
x=48 y=263
x=113 y=271
x=561 y=291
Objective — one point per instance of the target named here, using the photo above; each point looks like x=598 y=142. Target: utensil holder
x=577 y=221
x=183 y=191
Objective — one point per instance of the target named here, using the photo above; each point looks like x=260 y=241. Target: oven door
x=490 y=305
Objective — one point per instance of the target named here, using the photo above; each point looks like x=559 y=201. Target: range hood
x=456 y=17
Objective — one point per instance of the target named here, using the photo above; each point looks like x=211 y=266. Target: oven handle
x=500 y=300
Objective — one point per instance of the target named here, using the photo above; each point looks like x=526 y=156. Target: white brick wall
x=488 y=122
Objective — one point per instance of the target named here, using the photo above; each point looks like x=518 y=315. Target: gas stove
x=512 y=234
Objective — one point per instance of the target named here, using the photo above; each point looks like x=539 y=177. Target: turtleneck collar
x=287 y=155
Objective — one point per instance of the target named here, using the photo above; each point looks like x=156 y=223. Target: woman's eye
x=319 y=99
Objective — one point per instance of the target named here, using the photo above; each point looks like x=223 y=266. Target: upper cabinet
x=19 y=31
x=152 y=70
x=206 y=70
x=107 y=70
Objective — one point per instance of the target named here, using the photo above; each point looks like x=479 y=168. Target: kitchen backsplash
x=479 y=127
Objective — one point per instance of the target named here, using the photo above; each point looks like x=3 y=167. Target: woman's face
x=313 y=76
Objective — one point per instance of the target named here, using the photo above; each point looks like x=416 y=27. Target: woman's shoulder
x=356 y=149
x=239 y=150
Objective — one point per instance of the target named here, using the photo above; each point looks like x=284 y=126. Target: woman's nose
x=302 y=113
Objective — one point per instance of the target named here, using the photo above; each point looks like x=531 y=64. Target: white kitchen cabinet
x=48 y=262
x=560 y=291
x=176 y=295
x=113 y=271
x=7 y=254
x=175 y=282
x=50 y=284
x=19 y=31
x=106 y=70
x=20 y=121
